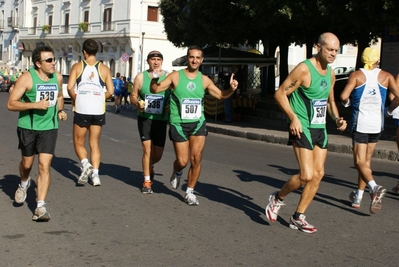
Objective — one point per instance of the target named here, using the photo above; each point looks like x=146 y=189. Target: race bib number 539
x=47 y=90
x=191 y=108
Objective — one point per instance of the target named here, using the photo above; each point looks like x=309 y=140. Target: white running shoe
x=301 y=224
x=273 y=208
x=175 y=180
x=191 y=199
x=95 y=180
x=87 y=169
x=21 y=193
x=376 y=198
x=355 y=202
x=41 y=215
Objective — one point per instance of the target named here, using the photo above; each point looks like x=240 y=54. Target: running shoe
x=41 y=215
x=376 y=199
x=147 y=188
x=396 y=189
x=273 y=208
x=301 y=224
x=21 y=193
x=87 y=169
x=354 y=200
x=191 y=199
x=95 y=179
x=175 y=180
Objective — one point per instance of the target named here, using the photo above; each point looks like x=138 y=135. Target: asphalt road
x=117 y=225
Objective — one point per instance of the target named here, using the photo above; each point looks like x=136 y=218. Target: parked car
x=112 y=98
x=341 y=78
x=65 y=78
x=5 y=85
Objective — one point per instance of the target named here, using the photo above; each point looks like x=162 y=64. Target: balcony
x=32 y=31
x=108 y=26
x=64 y=29
x=12 y=22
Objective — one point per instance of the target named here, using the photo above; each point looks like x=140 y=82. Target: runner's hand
x=296 y=127
x=43 y=104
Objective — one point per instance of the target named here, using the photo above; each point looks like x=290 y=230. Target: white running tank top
x=90 y=95
x=368 y=99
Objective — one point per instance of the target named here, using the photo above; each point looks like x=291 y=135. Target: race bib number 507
x=191 y=108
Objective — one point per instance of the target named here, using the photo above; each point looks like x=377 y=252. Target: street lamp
x=142 y=50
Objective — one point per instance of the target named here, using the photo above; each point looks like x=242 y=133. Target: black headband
x=154 y=55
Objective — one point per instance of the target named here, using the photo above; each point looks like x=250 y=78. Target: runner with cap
x=152 y=116
x=366 y=91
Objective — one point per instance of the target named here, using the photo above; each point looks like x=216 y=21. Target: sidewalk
x=386 y=150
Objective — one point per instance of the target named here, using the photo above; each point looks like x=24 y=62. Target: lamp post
x=141 y=51
x=140 y=57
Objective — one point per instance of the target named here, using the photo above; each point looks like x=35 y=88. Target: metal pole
x=142 y=49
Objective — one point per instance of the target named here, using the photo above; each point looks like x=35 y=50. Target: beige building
x=124 y=30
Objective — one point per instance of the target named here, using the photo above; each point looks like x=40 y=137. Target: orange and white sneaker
x=147 y=188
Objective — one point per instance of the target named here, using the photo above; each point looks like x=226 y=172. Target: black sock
x=278 y=197
x=296 y=215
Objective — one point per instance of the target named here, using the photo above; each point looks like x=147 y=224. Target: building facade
x=124 y=30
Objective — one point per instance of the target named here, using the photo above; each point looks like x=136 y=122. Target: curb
x=383 y=154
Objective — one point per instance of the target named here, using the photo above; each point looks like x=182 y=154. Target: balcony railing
x=32 y=31
x=108 y=26
x=64 y=29
x=12 y=22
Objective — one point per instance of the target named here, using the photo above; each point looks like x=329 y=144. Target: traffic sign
x=125 y=57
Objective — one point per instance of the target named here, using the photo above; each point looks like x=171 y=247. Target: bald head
x=328 y=38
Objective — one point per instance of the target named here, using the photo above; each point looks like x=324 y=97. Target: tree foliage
x=277 y=23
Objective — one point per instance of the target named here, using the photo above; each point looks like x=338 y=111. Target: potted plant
x=46 y=28
x=83 y=26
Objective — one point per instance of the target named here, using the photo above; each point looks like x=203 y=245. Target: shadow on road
x=9 y=185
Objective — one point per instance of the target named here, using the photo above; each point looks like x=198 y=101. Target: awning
x=228 y=56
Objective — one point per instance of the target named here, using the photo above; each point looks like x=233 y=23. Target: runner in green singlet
x=310 y=87
x=187 y=122
x=37 y=95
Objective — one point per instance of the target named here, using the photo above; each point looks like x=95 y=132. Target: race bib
x=50 y=90
x=319 y=111
x=154 y=104
x=191 y=108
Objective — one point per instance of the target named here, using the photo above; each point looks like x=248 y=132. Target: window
x=86 y=16
x=152 y=14
x=107 y=19
x=50 y=22
x=65 y=27
x=34 y=25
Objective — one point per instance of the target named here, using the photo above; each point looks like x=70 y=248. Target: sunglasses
x=48 y=60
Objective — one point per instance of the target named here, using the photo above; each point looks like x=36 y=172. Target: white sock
x=84 y=162
x=95 y=171
x=40 y=203
x=371 y=185
x=189 y=190
x=24 y=184
x=147 y=178
x=359 y=194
